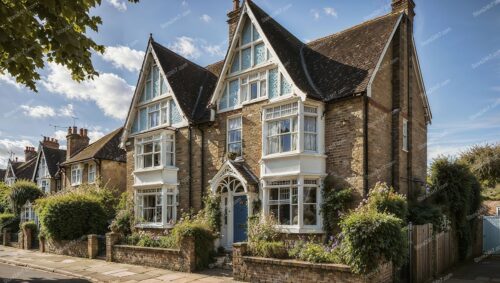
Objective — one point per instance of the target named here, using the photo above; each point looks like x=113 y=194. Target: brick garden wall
x=76 y=248
x=256 y=269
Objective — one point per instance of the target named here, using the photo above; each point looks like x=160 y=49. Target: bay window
x=156 y=206
x=234 y=135
x=292 y=203
x=148 y=151
x=282 y=127
x=76 y=175
x=310 y=129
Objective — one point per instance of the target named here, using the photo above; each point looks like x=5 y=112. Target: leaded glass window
x=273 y=83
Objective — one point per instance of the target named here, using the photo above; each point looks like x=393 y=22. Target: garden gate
x=491 y=235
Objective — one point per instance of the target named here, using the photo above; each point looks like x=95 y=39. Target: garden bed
x=258 y=269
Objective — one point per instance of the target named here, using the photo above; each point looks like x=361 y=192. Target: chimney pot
x=69 y=130
x=85 y=132
x=75 y=130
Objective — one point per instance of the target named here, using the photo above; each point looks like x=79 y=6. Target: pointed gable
x=52 y=157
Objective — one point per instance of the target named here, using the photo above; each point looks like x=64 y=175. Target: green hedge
x=9 y=220
x=384 y=199
x=203 y=237
x=29 y=225
x=371 y=237
x=4 y=198
x=71 y=216
x=23 y=191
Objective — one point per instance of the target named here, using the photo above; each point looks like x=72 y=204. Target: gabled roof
x=53 y=158
x=245 y=172
x=191 y=84
x=105 y=148
x=24 y=170
x=334 y=66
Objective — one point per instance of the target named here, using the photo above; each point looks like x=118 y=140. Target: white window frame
x=498 y=210
x=311 y=111
x=405 y=134
x=91 y=174
x=165 y=199
x=44 y=184
x=279 y=113
x=76 y=175
x=28 y=213
x=228 y=143
x=298 y=183
x=150 y=80
x=140 y=143
x=163 y=140
x=252 y=44
x=163 y=111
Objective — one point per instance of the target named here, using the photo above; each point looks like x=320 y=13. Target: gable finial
x=151 y=37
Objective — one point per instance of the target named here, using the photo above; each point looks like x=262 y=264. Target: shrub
x=423 y=213
x=484 y=163
x=29 y=225
x=107 y=197
x=10 y=221
x=70 y=216
x=262 y=228
x=335 y=202
x=123 y=222
x=384 y=199
x=23 y=191
x=371 y=237
x=203 y=236
x=313 y=252
x=211 y=212
x=4 y=198
x=272 y=249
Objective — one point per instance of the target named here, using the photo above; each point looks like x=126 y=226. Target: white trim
x=379 y=63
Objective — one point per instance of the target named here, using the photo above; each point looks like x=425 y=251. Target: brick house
x=266 y=125
x=101 y=160
x=46 y=173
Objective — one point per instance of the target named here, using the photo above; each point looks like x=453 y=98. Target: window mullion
x=300 y=195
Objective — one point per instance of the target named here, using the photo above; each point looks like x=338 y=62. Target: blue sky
x=458 y=42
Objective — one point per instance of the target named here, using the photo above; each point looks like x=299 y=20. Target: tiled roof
x=334 y=66
x=53 y=157
x=24 y=170
x=192 y=84
x=106 y=148
x=245 y=172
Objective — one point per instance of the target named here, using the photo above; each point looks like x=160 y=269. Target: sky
x=458 y=43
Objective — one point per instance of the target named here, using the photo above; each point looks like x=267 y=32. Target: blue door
x=491 y=235
x=240 y=217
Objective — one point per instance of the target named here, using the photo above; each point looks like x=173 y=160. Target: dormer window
x=156 y=114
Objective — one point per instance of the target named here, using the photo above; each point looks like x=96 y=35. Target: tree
x=484 y=162
x=23 y=191
x=35 y=31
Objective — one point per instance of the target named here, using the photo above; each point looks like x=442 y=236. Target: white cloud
x=67 y=111
x=206 y=18
x=119 y=5
x=38 y=111
x=110 y=92
x=214 y=50
x=15 y=146
x=60 y=135
x=315 y=14
x=184 y=3
x=7 y=78
x=95 y=134
x=329 y=11
x=124 y=57
x=186 y=47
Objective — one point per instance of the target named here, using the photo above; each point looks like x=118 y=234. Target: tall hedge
x=23 y=191
x=70 y=216
x=4 y=198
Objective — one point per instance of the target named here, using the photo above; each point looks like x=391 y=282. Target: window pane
x=263 y=88
x=286 y=143
x=148 y=147
x=295 y=214
x=284 y=214
x=273 y=194
x=244 y=92
x=234 y=136
x=246 y=57
x=273 y=83
x=135 y=125
x=233 y=93
x=286 y=88
x=143 y=119
x=164 y=87
x=260 y=53
x=309 y=214
x=256 y=34
x=310 y=142
x=175 y=115
x=285 y=126
x=156 y=159
x=247 y=32
x=235 y=148
x=310 y=124
x=235 y=123
x=148 y=161
x=223 y=100
x=274 y=211
x=156 y=82
x=147 y=91
x=170 y=159
x=310 y=195
x=235 y=66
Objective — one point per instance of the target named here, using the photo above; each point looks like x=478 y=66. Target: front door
x=240 y=216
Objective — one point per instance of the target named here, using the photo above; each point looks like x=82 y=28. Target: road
x=17 y=274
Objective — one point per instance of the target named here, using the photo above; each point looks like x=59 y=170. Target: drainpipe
x=202 y=188
x=190 y=165
x=365 y=145
x=409 y=31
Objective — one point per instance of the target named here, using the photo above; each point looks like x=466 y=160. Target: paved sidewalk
x=486 y=270
x=102 y=271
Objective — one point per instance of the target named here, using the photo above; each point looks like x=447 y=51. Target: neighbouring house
x=21 y=170
x=46 y=174
x=491 y=207
x=2 y=174
x=266 y=126
x=101 y=160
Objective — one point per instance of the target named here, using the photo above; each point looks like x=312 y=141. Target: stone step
x=223 y=261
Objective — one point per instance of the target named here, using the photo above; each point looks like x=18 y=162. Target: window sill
x=263 y=98
x=292 y=154
x=169 y=168
x=153 y=226
x=282 y=98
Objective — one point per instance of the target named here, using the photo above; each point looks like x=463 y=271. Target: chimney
x=233 y=18
x=76 y=141
x=50 y=143
x=29 y=153
x=407 y=6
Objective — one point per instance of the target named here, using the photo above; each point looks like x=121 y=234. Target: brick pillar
x=239 y=270
x=92 y=245
x=6 y=236
x=20 y=240
x=27 y=238
x=41 y=241
x=188 y=253
x=111 y=239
